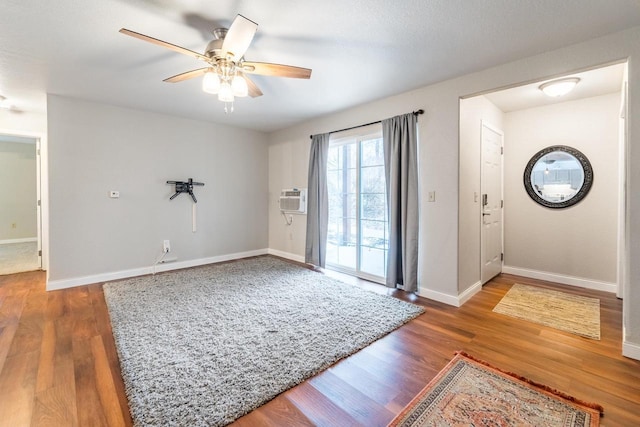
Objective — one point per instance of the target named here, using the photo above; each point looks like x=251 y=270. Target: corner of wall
x=631 y=350
x=454 y=300
x=286 y=255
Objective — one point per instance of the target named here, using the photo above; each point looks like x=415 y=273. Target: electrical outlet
x=166 y=246
x=114 y=194
x=14 y=225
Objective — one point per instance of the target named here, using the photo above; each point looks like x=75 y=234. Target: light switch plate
x=432 y=196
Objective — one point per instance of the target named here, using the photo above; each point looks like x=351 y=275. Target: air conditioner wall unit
x=293 y=200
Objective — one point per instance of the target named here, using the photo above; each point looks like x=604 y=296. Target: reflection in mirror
x=558 y=176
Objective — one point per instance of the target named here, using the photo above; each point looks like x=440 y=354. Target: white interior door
x=491 y=202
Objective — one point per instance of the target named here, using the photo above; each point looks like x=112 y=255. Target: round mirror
x=558 y=176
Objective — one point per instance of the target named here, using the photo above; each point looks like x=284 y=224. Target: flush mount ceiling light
x=559 y=87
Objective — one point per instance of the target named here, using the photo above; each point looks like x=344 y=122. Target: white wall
x=21 y=123
x=17 y=190
x=439 y=158
x=95 y=148
x=288 y=165
x=579 y=241
x=291 y=147
x=473 y=111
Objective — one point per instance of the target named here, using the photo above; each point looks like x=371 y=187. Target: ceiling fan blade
x=186 y=76
x=239 y=37
x=268 y=69
x=167 y=45
x=254 y=90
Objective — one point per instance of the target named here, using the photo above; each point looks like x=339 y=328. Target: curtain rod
x=417 y=112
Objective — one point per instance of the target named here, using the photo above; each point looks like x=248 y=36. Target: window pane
x=351 y=155
x=372 y=180
x=347 y=256
x=333 y=160
x=332 y=241
x=351 y=181
x=374 y=234
x=334 y=182
x=372 y=153
x=347 y=240
x=373 y=206
x=348 y=206
x=373 y=261
x=357 y=237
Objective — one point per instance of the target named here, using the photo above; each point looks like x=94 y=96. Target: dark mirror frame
x=582 y=192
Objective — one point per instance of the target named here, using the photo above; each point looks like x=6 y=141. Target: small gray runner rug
x=204 y=346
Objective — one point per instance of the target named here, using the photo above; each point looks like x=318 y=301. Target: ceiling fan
x=226 y=71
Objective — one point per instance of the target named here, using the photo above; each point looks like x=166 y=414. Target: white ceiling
x=359 y=50
x=600 y=81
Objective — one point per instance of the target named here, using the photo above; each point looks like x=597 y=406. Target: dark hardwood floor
x=59 y=367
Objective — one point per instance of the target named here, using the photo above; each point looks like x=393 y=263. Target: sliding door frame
x=356 y=137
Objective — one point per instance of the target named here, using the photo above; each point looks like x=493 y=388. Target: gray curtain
x=401 y=174
x=317 y=201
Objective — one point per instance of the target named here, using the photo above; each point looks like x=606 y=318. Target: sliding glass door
x=357 y=239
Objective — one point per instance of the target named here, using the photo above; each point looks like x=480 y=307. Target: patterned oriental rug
x=567 y=312
x=470 y=392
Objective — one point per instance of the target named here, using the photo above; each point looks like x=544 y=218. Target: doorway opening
x=20 y=218
x=358 y=229
x=580 y=245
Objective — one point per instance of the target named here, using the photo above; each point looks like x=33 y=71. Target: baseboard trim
x=23 y=240
x=440 y=297
x=471 y=291
x=286 y=255
x=210 y=260
x=453 y=300
x=631 y=350
x=123 y=274
x=560 y=278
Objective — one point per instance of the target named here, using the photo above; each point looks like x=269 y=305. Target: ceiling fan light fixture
x=211 y=82
x=224 y=72
x=560 y=87
x=226 y=93
x=239 y=86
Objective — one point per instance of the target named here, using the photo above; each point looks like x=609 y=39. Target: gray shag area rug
x=204 y=346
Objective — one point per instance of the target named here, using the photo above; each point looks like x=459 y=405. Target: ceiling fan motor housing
x=214 y=48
